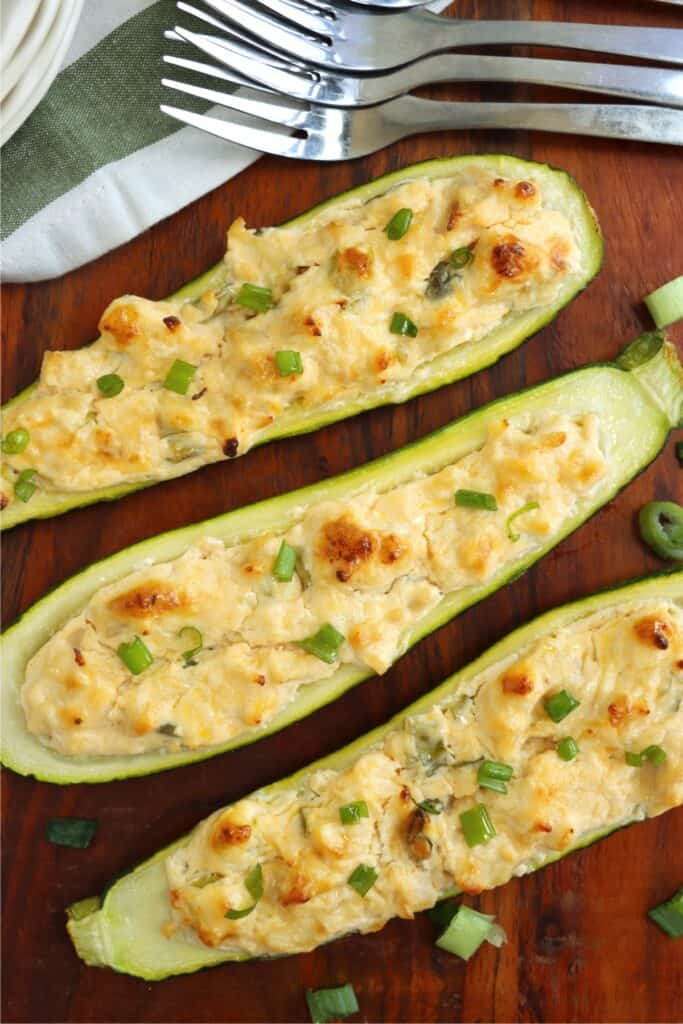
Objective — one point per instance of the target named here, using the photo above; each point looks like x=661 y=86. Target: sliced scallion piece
x=477 y=826
x=15 y=442
x=442 y=913
x=24 y=485
x=328 y=1004
x=324 y=644
x=560 y=705
x=494 y=775
x=666 y=303
x=399 y=224
x=465 y=933
x=206 y=879
x=179 y=377
x=84 y=908
x=655 y=754
x=461 y=257
x=402 y=324
x=567 y=748
x=351 y=814
x=530 y=506
x=195 y=641
x=633 y=760
x=476 y=499
x=135 y=655
x=288 y=363
x=253 y=883
x=661 y=527
x=110 y=385
x=283 y=569
x=669 y=916
x=679 y=452
x=640 y=351
x=253 y=296
x=75 y=832
x=432 y=806
x=362 y=879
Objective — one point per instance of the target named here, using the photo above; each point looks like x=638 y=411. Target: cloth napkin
x=97 y=162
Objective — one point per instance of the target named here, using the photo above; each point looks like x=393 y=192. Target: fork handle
x=648 y=85
x=663 y=44
x=410 y=115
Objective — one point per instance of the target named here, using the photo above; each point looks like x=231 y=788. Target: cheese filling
x=371 y=566
x=336 y=283
x=623 y=665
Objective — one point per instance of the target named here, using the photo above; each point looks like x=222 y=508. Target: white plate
x=36 y=81
x=15 y=19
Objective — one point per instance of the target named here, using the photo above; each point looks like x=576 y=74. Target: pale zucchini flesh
x=460 y=362
x=637 y=410
x=125 y=930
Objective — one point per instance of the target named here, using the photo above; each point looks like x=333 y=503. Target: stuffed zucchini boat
x=209 y=637
x=409 y=282
x=567 y=729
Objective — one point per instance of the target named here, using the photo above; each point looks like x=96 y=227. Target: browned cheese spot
x=4 y=501
x=653 y=632
x=355 y=261
x=230 y=447
x=525 y=190
x=172 y=322
x=508 y=258
x=312 y=327
x=419 y=844
x=542 y=826
x=228 y=834
x=454 y=216
x=260 y=680
x=147 y=600
x=78 y=657
x=518 y=682
x=391 y=549
x=297 y=893
x=122 y=323
x=342 y=541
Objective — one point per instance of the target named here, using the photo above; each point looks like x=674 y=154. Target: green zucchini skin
x=643 y=404
x=123 y=930
x=473 y=356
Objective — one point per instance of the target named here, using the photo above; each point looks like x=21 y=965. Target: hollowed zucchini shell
x=124 y=929
x=637 y=407
x=464 y=360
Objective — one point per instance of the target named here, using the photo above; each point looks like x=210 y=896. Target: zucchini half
x=638 y=408
x=123 y=930
x=464 y=360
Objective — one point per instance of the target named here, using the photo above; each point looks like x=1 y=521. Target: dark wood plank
x=579 y=946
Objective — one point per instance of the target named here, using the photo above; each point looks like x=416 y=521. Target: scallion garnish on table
x=669 y=915
x=329 y=1004
x=666 y=303
x=75 y=832
x=466 y=930
x=661 y=527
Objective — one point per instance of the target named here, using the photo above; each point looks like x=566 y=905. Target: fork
x=358 y=40
x=657 y=85
x=328 y=133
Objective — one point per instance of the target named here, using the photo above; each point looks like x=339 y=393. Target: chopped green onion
x=640 y=351
x=666 y=303
x=633 y=759
x=351 y=814
x=655 y=754
x=206 y=879
x=401 y=324
x=24 y=485
x=476 y=499
x=399 y=224
x=324 y=644
x=560 y=705
x=110 y=385
x=283 y=570
x=328 y=1004
x=494 y=775
x=530 y=506
x=679 y=452
x=288 y=363
x=179 y=376
x=442 y=913
x=461 y=257
x=568 y=748
x=661 y=527
x=253 y=883
x=135 y=655
x=362 y=879
x=84 y=908
x=434 y=806
x=191 y=635
x=477 y=826
x=669 y=916
x=15 y=441
x=253 y=296
x=465 y=933
x=75 y=832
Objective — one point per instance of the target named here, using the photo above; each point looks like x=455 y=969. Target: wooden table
x=580 y=948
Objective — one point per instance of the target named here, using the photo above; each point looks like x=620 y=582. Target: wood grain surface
x=580 y=947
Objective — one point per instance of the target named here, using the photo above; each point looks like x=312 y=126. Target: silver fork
x=266 y=122
x=655 y=85
x=358 y=40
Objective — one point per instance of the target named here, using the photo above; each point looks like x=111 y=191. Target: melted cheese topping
x=336 y=281
x=372 y=565
x=624 y=665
